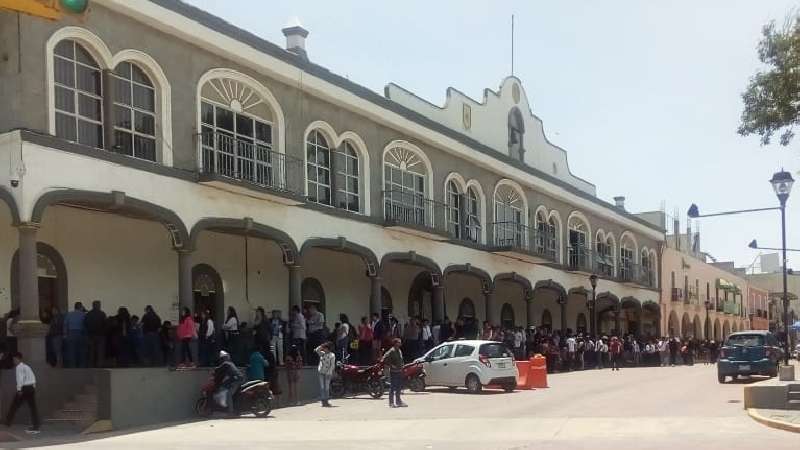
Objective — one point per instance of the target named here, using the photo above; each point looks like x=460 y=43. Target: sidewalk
x=782 y=419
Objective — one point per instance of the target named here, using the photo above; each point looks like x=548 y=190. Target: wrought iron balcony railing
x=413 y=209
x=523 y=238
x=581 y=259
x=246 y=160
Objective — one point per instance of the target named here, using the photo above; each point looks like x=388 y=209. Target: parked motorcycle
x=253 y=397
x=414 y=377
x=353 y=380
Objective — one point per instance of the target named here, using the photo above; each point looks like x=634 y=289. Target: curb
x=772 y=423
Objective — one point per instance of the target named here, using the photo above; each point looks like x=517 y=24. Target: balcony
x=519 y=241
x=580 y=259
x=410 y=212
x=247 y=167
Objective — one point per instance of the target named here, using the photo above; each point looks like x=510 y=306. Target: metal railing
x=245 y=160
x=526 y=239
x=412 y=208
x=580 y=258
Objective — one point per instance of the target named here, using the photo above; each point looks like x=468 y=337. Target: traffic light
x=46 y=9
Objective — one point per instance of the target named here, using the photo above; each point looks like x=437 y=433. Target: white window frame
x=75 y=116
x=316 y=186
x=131 y=110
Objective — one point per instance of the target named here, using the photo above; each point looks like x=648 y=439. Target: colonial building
x=152 y=153
x=699 y=299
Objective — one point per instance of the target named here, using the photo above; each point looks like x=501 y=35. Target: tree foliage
x=772 y=98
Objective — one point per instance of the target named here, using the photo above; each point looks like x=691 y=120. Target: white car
x=473 y=364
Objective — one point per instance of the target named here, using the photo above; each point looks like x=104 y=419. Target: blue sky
x=644 y=95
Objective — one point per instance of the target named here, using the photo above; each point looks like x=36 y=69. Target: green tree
x=772 y=98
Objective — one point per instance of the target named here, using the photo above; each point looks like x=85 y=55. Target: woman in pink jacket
x=186 y=332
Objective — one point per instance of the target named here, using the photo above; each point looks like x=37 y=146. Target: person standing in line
x=572 y=348
x=55 y=338
x=411 y=337
x=364 y=342
x=314 y=326
x=74 y=328
x=231 y=330
x=674 y=345
x=343 y=337
x=26 y=391
x=277 y=329
x=95 y=325
x=614 y=352
x=327 y=361
x=186 y=332
x=427 y=336
x=637 y=353
x=393 y=358
x=207 y=338
x=297 y=326
x=261 y=329
x=151 y=324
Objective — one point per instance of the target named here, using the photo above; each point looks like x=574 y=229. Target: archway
x=607 y=305
x=651 y=319
x=466 y=310
x=698 y=328
x=580 y=323
x=52 y=280
x=312 y=293
x=420 y=297
x=513 y=289
x=547 y=320
x=551 y=295
x=686 y=326
x=468 y=284
x=507 y=318
x=208 y=292
x=630 y=316
x=673 y=325
x=386 y=302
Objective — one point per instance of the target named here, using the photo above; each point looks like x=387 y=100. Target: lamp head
x=782 y=184
x=694 y=211
x=593 y=280
x=753 y=244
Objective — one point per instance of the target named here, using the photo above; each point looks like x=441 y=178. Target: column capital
x=293 y=266
x=29 y=226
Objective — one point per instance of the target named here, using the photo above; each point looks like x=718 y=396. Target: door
x=436 y=364
x=456 y=371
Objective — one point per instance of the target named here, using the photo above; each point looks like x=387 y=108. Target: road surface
x=647 y=408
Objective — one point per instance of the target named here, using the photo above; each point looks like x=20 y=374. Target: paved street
x=652 y=408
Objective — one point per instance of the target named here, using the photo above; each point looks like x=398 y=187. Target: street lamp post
x=592 y=304
x=782 y=184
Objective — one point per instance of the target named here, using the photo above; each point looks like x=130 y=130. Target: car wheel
x=721 y=378
x=473 y=384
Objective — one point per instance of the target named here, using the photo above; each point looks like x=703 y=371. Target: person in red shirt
x=365 y=341
x=614 y=352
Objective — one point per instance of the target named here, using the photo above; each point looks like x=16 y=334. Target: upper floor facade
x=165 y=85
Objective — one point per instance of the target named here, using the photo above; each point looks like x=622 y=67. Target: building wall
x=8 y=245
x=184 y=64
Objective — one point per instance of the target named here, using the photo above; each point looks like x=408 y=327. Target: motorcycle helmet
x=223 y=355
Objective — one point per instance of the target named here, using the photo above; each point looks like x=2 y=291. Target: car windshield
x=495 y=351
x=746 y=340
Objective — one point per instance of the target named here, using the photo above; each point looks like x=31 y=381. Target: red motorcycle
x=353 y=380
x=414 y=376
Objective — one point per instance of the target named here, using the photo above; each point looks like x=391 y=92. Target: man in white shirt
x=26 y=391
x=572 y=346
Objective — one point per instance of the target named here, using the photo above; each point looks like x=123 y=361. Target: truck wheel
x=473 y=384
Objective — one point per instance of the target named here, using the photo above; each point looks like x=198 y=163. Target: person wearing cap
x=227 y=376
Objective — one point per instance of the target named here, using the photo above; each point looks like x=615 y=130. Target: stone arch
x=507 y=316
x=698 y=327
x=411 y=258
x=551 y=286
x=116 y=202
x=651 y=308
x=686 y=325
x=265 y=94
x=245 y=227
x=8 y=198
x=199 y=273
x=62 y=278
x=470 y=270
x=673 y=324
x=515 y=278
x=343 y=245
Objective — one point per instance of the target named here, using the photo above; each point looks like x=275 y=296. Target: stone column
x=375 y=297
x=438 y=303
x=28 y=273
x=562 y=303
x=30 y=330
x=185 y=295
x=295 y=283
x=488 y=302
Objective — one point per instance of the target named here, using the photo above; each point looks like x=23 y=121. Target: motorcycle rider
x=227 y=376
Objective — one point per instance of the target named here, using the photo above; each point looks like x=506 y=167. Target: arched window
x=473 y=213
x=627 y=258
x=553 y=237
x=542 y=232
x=466 y=309
x=547 y=320
x=78 y=94
x=318 y=168
x=580 y=323
x=647 y=270
x=405 y=195
x=579 y=243
x=508 y=217
x=516 y=135
x=134 y=113
x=454 y=206
x=312 y=294
x=237 y=133
x=347 y=178
x=507 y=316
x=605 y=254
